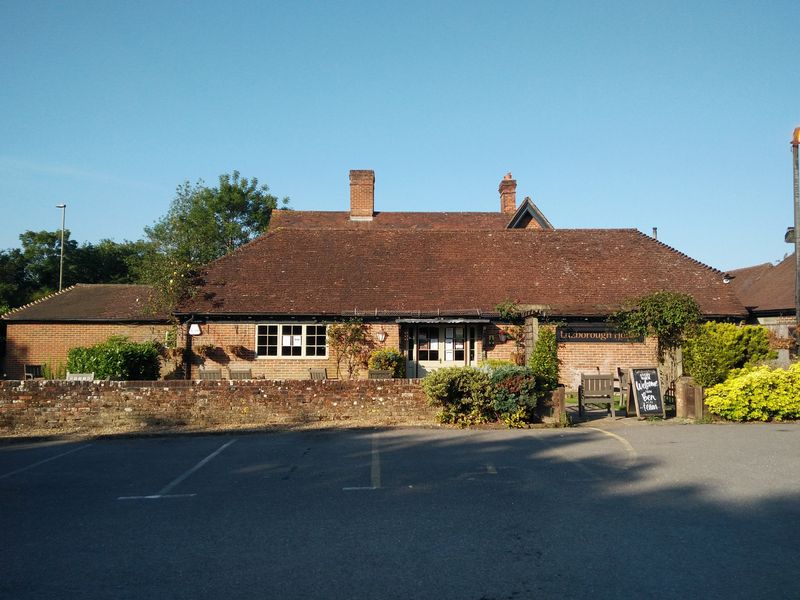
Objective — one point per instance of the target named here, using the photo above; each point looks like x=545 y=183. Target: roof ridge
x=42 y=299
x=679 y=253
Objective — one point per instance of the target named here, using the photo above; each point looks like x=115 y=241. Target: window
x=291 y=340
x=428 y=344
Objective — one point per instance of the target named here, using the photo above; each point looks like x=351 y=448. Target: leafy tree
x=203 y=224
x=669 y=316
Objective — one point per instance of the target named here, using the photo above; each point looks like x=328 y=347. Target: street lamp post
x=63 y=208
x=795 y=144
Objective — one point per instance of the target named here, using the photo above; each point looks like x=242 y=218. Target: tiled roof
x=91 y=302
x=767 y=288
x=401 y=272
x=458 y=221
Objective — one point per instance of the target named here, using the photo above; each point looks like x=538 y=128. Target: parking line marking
x=375 y=470
x=41 y=462
x=164 y=492
x=629 y=449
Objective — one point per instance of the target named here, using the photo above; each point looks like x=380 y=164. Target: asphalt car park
x=650 y=511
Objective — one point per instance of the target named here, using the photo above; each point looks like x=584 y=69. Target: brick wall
x=224 y=335
x=38 y=406
x=37 y=344
x=69 y=406
x=589 y=357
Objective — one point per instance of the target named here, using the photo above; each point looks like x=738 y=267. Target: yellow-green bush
x=757 y=394
x=715 y=349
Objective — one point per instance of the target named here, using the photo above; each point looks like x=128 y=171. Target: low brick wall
x=56 y=406
x=44 y=407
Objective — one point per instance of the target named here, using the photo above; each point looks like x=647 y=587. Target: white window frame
x=279 y=342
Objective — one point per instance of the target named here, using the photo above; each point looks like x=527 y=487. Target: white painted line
x=375 y=470
x=156 y=496
x=625 y=443
x=165 y=490
x=358 y=489
x=41 y=462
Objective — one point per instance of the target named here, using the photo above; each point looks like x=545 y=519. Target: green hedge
x=757 y=394
x=544 y=359
x=117 y=358
x=717 y=348
x=468 y=396
x=388 y=359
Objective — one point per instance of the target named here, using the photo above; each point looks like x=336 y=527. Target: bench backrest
x=597 y=386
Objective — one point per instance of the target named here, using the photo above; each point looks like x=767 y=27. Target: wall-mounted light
x=381 y=335
x=726 y=278
x=194 y=329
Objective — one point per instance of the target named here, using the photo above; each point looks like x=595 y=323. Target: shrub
x=117 y=358
x=349 y=343
x=388 y=359
x=495 y=363
x=462 y=392
x=717 y=348
x=514 y=394
x=670 y=316
x=757 y=394
x=544 y=360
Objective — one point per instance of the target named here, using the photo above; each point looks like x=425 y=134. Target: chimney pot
x=362 y=195
x=508 y=194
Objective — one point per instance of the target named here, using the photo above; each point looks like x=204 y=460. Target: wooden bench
x=210 y=374
x=379 y=374
x=241 y=374
x=80 y=376
x=33 y=372
x=318 y=374
x=597 y=389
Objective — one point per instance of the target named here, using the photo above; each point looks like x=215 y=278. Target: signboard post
x=646 y=395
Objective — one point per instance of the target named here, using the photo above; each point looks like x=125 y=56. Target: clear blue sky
x=609 y=114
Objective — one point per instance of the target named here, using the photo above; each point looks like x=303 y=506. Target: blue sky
x=609 y=114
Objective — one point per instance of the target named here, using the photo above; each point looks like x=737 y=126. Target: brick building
x=426 y=284
x=41 y=333
x=429 y=284
x=767 y=292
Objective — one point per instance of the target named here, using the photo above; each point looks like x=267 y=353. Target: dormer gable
x=528 y=216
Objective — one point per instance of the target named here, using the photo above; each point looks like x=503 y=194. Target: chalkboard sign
x=647 y=392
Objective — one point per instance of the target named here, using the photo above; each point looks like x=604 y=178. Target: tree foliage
x=715 y=349
x=543 y=361
x=669 y=316
x=32 y=271
x=203 y=224
x=350 y=344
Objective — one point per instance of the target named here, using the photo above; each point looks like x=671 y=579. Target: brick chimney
x=362 y=195
x=508 y=194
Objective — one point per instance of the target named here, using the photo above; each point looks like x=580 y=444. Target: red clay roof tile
x=428 y=272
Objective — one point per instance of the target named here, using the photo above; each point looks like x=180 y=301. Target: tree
x=669 y=316
x=203 y=224
x=350 y=343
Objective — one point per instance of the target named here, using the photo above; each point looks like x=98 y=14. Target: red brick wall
x=224 y=335
x=72 y=405
x=32 y=343
x=588 y=357
x=38 y=406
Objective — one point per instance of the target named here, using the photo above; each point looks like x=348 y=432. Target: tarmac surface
x=610 y=509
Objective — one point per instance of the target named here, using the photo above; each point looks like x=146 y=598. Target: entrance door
x=432 y=347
